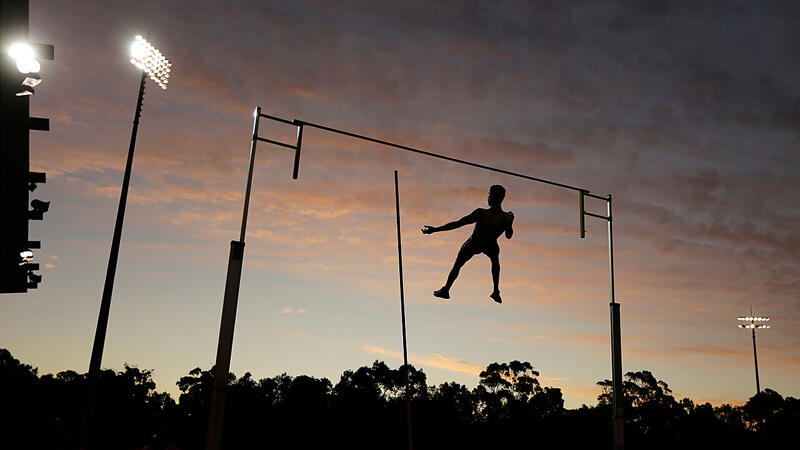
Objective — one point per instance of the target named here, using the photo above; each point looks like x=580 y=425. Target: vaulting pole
x=402 y=306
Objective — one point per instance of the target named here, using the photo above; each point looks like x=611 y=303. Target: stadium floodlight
x=21 y=51
x=25 y=58
x=27 y=66
x=754 y=323
x=153 y=64
x=32 y=80
x=149 y=59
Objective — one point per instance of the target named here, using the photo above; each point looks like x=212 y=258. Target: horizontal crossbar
x=597 y=215
x=436 y=155
x=276 y=143
x=301 y=123
x=278 y=119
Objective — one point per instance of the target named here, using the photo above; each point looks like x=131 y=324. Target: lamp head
x=752 y=322
x=25 y=58
x=149 y=59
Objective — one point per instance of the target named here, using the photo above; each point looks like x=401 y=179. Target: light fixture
x=20 y=51
x=26 y=90
x=40 y=206
x=152 y=63
x=25 y=58
x=754 y=323
x=149 y=59
x=27 y=66
x=32 y=80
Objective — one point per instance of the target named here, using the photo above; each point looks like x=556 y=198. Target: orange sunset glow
x=689 y=118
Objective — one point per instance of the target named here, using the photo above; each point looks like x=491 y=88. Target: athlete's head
x=496 y=195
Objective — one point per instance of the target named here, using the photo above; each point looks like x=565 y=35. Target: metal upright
x=229 y=305
x=616 y=344
x=231 y=300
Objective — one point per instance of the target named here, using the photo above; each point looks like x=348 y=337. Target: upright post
x=616 y=345
x=402 y=308
x=582 y=215
x=755 y=359
x=225 y=344
x=105 y=303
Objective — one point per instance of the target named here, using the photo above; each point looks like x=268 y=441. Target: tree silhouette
x=366 y=409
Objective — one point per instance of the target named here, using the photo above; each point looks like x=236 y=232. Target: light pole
x=237 y=252
x=754 y=323
x=152 y=63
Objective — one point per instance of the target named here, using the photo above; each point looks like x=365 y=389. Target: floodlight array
x=148 y=58
x=25 y=58
x=755 y=322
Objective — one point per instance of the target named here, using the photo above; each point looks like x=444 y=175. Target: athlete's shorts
x=472 y=247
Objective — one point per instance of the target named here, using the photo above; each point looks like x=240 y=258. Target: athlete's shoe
x=441 y=293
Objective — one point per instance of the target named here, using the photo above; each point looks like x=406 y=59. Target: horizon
x=175 y=393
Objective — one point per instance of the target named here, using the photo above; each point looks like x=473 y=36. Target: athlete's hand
x=427 y=229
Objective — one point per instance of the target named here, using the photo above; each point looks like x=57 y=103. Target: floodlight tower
x=152 y=63
x=754 y=323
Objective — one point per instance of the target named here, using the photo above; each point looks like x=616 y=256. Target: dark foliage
x=366 y=409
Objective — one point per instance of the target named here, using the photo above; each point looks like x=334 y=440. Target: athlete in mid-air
x=489 y=225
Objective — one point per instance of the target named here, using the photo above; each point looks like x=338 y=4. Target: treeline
x=366 y=408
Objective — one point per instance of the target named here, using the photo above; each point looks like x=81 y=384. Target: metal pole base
x=223 y=364
x=616 y=375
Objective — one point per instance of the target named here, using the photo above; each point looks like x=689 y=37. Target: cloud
x=382 y=351
x=449 y=363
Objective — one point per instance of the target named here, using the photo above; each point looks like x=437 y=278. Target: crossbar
x=431 y=154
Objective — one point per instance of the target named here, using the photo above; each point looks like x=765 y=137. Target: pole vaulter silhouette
x=489 y=225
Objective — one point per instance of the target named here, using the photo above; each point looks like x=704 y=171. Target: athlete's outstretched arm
x=466 y=220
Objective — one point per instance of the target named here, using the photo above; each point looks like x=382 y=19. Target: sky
x=687 y=113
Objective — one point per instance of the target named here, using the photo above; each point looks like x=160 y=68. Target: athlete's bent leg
x=464 y=255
